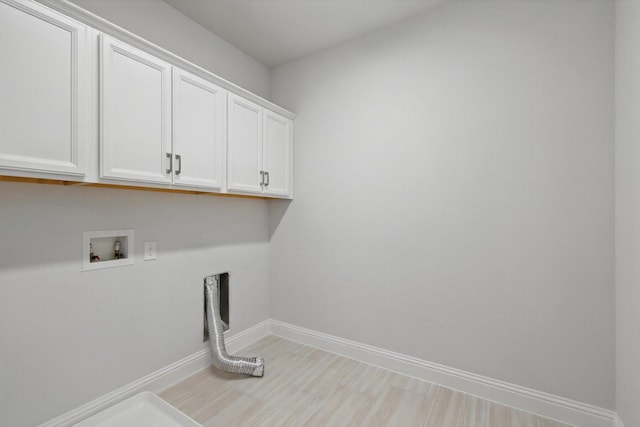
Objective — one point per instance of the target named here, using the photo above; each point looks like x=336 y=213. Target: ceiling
x=278 y=31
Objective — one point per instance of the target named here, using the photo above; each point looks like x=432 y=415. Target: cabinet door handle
x=267 y=175
x=170 y=157
x=179 y=164
x=261 y=178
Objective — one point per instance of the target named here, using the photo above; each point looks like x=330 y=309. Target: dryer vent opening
x=223 y=309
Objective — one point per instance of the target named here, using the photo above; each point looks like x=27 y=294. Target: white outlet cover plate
x=150 y=251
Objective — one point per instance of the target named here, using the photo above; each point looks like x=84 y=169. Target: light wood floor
x=304 y=386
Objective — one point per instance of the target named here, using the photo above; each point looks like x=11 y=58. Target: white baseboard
x=160 y=379
x=537 y=402
x=547 y=405
x=247 y=337
x=617 y=422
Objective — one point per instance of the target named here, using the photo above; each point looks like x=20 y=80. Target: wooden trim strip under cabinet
x=126 y=187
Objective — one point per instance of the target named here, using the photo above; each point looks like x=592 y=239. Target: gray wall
x=454 y=193
x=66 y=336
x=628 y=211
x=454 y=202
x=69 y=336
x=159 y=23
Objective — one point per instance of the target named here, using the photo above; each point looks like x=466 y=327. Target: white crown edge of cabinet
x=76 y=12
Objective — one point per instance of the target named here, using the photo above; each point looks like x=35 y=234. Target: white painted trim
x=247 y=337
x=537 y=402
x=617 y=421
x=160 y=379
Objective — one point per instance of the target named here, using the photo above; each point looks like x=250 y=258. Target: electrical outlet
x=150 y=251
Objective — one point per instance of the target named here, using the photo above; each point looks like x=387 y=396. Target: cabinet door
x=135 y=112
x=43 y=88
x=278 y=154
x=244 y=161
x=199 y=132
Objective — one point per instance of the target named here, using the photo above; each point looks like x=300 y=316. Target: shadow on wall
x=277 y=210
x=43 y=224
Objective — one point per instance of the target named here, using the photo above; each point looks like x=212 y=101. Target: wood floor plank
x=304 y=386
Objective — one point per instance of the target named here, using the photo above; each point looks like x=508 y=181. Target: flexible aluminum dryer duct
x=221 y=360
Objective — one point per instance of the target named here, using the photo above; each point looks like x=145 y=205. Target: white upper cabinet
x=244 y=145
x=260 y=148
x=199 y=132
x=157 y=128
x=101 y=105
x=135 y=113
x=44 y=89
x=278 y=154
